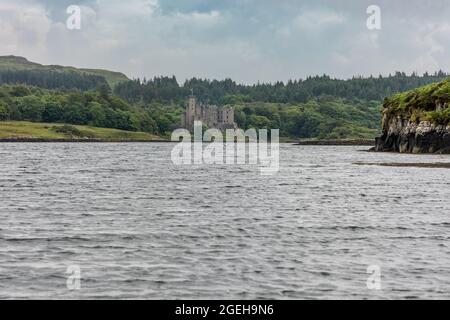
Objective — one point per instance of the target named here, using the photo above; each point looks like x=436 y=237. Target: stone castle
x=211 y=116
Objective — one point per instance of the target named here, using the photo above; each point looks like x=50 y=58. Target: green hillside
x=20 y=63
x=113 y=78
x=317 y=107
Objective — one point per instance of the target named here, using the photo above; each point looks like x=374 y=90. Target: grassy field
x=56 y=131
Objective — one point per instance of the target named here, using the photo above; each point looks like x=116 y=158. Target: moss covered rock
x=417 y=121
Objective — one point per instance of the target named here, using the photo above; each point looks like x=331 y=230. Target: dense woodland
x=49 y=79
x=318 y=107
x=167 y=89
x=96 y=108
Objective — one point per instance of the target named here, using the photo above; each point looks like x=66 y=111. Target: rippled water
x=140 y=227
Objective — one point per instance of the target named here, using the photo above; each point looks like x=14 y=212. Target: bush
x=53 y=112
x=31 y=108
x=71 y=131
x=4 y=112
x=439 y=117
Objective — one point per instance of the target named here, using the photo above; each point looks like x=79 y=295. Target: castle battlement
x=211 y=116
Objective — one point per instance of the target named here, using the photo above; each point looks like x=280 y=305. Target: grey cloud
x=250 y=40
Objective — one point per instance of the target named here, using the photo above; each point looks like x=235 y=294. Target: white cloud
x=246 y=40
x=314 y=19
x=23 y=28
x=120 y=10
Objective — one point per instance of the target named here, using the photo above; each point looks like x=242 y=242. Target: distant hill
x=15 y=63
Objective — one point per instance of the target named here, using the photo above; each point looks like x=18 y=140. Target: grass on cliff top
x=421 y=103
x=58 y=131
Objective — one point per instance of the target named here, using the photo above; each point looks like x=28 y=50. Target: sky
x=245 y=40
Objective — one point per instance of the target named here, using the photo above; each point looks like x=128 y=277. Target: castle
x=210 y=115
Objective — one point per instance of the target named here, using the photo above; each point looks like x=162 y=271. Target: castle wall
x=211 y=115
x=228 y=115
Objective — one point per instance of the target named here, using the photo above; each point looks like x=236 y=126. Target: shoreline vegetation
x=318 y=108
x=50 y=103
x=24 y=131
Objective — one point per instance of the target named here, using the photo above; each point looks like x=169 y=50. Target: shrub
x=71 y=131
x=4 y=111
x=439 y=117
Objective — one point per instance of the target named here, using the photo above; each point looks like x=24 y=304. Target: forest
x=222 y=92
x=48 y=79
x=318 y=107
x=98 y=108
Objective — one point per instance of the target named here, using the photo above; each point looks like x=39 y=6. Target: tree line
x=167 y=89
x=317 y=107
x=96 y=108
x=324 y=117
x=52 y=79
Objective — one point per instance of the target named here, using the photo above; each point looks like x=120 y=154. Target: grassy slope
x=420 y=104
x=24 y=129
x=20 y=63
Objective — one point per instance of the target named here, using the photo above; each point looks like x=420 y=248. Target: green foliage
x=439 y=117
x=52 y=112
x=97 y=108
x=30 y=107
x=422 y=103
x=15 y=70
x=317 y=107
x=52 y=79
x=324 y=118
x=167 y=90
x=4 y=111
x=71 y=131
x=234 y=99
x=31 y=130
x=98 y=114
x=167 y=117
x=19 y=91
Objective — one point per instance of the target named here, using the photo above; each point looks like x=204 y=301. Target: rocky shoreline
x=417 y=121
x=405 y=136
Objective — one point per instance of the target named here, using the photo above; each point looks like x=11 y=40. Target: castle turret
x=190 y=112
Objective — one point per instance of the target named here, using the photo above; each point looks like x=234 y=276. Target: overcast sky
x=246 y=40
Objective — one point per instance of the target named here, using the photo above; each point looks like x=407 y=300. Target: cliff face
x=417 y=121
x=411 y=137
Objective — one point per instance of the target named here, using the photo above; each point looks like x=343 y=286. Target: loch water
x=137 y=226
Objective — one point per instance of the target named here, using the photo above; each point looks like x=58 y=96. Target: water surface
x=140 y=227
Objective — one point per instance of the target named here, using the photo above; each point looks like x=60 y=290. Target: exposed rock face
x=406 y=136
x=417 y=121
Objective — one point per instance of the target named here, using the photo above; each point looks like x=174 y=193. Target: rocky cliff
x=417 y=121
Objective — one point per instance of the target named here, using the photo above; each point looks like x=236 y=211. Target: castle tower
x=190 y=112
x=228 y=115
x=210 y=115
